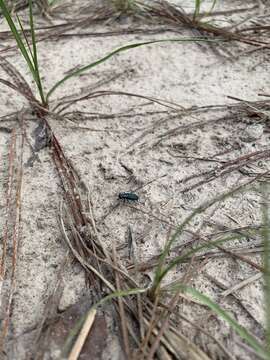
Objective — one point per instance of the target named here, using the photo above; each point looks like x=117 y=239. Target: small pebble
x=252 y=132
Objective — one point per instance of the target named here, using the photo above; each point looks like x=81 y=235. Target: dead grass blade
x=90 y=318
x=92 y=95
x=176 y=15
x=123 y=317
x=242 y=284
x=10 y=185
x=180 y=346
x=12 y=226
x=227 y=168
x=236 y=297
x=202 y=330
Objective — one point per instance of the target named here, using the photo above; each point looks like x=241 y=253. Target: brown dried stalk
x=12 y=226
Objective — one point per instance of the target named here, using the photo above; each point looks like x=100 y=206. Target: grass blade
x=117 y=51
x=211 y=9
x=16 y=35
x=239 y=329
x=29 y=55
x=35 y=57
x=197 y=9
x=77 y=348
x=159 y=271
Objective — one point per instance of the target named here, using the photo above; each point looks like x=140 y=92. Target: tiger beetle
x=128 y=196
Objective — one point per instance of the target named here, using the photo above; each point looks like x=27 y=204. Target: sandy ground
x=154 y=143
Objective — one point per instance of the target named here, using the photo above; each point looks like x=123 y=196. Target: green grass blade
x=197 y=9
x=239 y=329
x=29 y=55
x=17 y=36
x=213 y=6
x=182 y=226
x=211 y=9
x=124 y=5
x=181 y=258
x=25 y=38
x=35 y=57
x=120 y=293
x=117 y=51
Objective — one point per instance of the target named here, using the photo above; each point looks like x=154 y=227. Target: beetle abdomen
x=128 y=196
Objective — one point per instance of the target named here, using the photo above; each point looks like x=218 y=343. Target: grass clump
x=164 y=267
x=28 y=48
x=28 y=52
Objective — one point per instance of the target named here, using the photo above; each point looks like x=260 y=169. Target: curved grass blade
x=179 y=230
x=211 y=9
x=17 y=79
x=25 y=37
x=197 y=9
x=213 y=6
x=117 y=51
x=239 y=329
x=179 y=259
x=16 y=35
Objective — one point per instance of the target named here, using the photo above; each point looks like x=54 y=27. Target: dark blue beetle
x=128 y=196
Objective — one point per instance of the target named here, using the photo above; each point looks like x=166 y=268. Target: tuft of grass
x=263 y=352
x=29 y=54
x=162 y=270
x=238 y=328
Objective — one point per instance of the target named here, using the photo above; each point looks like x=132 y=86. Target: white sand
x=183 y=73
